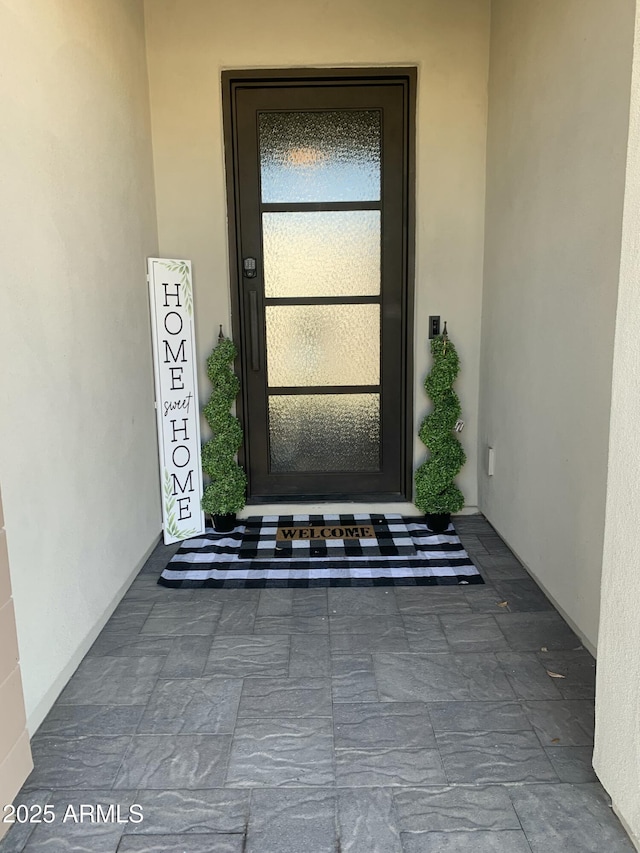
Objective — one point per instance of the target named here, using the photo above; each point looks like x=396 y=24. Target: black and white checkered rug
x=336 y=550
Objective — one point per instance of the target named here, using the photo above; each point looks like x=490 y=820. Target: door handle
x=253 y=330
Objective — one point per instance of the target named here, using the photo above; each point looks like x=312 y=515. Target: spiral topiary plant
x=225 y=494
x=436 y=492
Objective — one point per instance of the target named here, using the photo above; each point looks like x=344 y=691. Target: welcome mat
x=403 y=552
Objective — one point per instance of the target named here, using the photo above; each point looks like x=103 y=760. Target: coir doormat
x=320 y=551
x=317 y=536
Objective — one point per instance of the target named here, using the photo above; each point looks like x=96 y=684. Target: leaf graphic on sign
x=182 y=269
x=167 y=484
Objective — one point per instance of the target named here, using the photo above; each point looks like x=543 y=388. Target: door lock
x=249 y=267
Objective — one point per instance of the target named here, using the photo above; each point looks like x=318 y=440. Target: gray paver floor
x=404 y=720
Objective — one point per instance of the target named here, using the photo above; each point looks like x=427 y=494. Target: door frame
x=255 y=78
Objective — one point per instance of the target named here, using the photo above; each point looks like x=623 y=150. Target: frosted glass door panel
x=323 y=345
x=331 y=155
x=324 y=432
x=328 y=253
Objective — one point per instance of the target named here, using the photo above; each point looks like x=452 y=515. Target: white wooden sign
x=177 y=409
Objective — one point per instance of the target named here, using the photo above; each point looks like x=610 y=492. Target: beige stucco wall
x=15 y=752
x=558 y=117
x=77 y=430
x=190 y=42
x=617 y=746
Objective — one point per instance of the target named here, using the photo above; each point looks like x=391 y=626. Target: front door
x=319 y=185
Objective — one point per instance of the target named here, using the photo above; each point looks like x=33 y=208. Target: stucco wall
x=15 y=753
x=558 y=117
x=617 y=747
x=190 y=42
x=77 y=431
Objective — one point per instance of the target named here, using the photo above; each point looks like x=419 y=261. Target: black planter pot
x=437 y=522
x=224 y=523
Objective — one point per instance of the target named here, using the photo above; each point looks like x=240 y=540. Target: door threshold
x=339 y=508
x=329 y=507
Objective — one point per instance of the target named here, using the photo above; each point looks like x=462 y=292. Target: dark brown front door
x=319 y=180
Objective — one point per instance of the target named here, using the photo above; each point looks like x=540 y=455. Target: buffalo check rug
x=322 y=550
